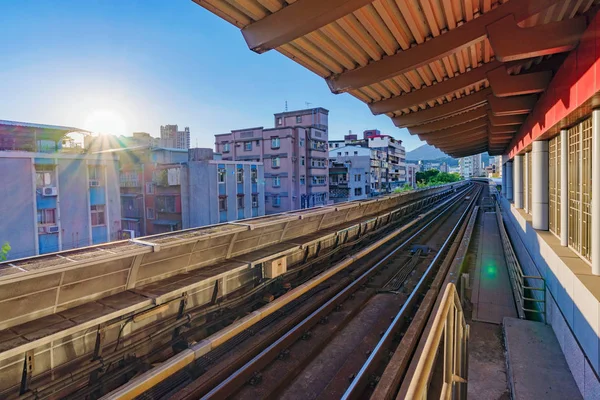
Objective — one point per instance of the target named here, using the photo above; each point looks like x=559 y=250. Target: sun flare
x=106 y=122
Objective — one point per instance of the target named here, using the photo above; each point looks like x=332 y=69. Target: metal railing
x=524 y=286
x=443 y=364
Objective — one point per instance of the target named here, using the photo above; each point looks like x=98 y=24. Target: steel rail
x=230 y=385
x=357 y=385
x=44 y=390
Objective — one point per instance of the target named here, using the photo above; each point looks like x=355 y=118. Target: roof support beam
x=469 y=153
x=466 y=147
x=507 y=120
x=460 y=137
x=469 y=126
x=511 y=42
x=503 y=140
x=424 y=53
x=475 y=148
x=430 y=93
x=505 y=85
x=458 y=119
x=296 y=20
x=502 y=129
x=512 y=105
x=442 y=111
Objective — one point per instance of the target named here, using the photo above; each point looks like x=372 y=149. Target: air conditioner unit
x=127 y=234
x=52 y=229
x=50 y=191
x=94 y=183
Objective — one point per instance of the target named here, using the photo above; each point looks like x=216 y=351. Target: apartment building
x=164 y=190
x=172 y=137
x=390 y=154
x=411 y=174
x=294 y=156
x=395 y=157
x=60 y=198
x=471 y=167
x=351 y=173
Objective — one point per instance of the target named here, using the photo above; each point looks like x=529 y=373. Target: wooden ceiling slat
x=449 y=13
x=409 y=16
x=454 y=120
x=440 y=46
x=323 y=58
x=225 y=11
x=434 y=91
x=393 y=20
x=444 y=110
x=575 y=8
x=375 y=26
x=403 y=82
x=430 y=17
x=295 y=54
x=353 y=28
x=339 y=36
x=320 y=40
x=251 y=8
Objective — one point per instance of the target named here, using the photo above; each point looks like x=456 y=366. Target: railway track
x=88 y=379
x=339 y=338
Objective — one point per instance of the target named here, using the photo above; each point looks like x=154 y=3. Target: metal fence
x=449 y=338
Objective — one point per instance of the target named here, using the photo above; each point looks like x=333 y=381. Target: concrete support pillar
x=539 y=185
x=503 y=180
x=509 y=180
x=526 y=182
x=596 y=192
x=564 y=188
x=518 y=180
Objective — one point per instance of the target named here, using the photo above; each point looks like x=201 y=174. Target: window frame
x=221 y=175
x=99 y=211
x=150 y=213
x=43 y=216
x=275 y=142
x=240 y=175
x=222 y=203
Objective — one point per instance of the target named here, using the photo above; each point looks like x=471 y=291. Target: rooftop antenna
x=307 y=104
x=286 y=107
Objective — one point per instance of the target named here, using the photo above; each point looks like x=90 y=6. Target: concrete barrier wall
x=68 y=279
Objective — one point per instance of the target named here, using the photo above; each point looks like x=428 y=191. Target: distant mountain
x=430 y=153
x=425 y=152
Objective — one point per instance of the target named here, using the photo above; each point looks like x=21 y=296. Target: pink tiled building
x=295 y=157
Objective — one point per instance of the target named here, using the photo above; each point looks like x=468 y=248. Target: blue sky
x=124 y=66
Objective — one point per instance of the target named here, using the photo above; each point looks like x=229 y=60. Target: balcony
x=342 y=184
x=130 y=179
x=167 y=177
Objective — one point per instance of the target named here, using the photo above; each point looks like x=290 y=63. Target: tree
x=4 y=251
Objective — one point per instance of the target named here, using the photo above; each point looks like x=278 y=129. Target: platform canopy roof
x=461 y=74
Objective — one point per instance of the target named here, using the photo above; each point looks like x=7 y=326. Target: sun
x=105 y=122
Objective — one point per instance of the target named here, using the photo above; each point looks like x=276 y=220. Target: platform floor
x=537 y=368
x=492 y=295
x=491 y=301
